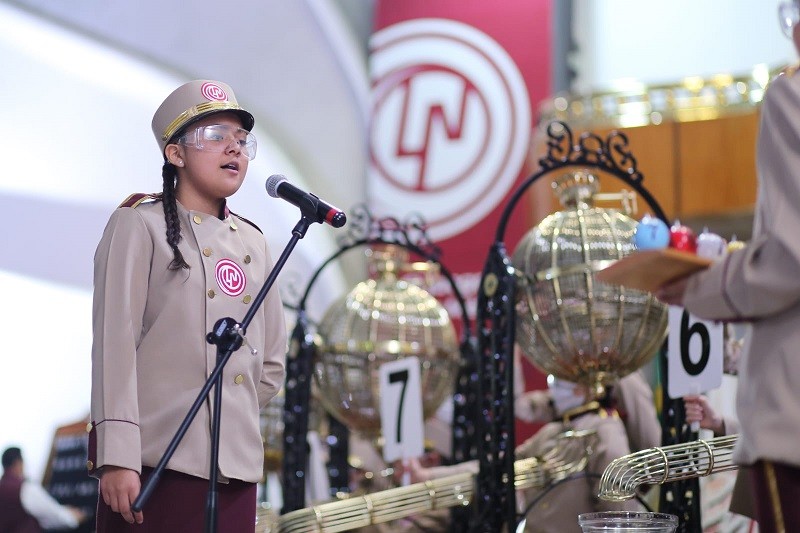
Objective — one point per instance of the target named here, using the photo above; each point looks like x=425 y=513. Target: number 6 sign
x=694 y=353
x=401 y=409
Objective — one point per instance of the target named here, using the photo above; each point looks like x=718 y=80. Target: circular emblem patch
x=450 y=123
x=230 y=277
x=214 y=92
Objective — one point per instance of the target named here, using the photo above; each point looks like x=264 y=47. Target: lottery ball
x=651 y=233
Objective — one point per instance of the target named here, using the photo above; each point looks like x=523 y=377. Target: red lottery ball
x=682 y=238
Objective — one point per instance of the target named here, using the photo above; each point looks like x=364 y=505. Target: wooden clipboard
x=647 y=270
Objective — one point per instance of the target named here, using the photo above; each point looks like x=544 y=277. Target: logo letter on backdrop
x=453 y=86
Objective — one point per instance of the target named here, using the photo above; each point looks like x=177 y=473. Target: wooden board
x=66 y=477
x=648 y=270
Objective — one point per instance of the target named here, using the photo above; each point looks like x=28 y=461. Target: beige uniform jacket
x=761 y=283
x=150 y=357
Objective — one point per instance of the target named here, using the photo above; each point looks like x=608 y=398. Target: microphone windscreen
x=272 y=184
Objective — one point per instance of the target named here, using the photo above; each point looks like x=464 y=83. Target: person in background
x=25 y=507
x=698 y=409
x=625 y=420
x=759 y=284
x=167 y=268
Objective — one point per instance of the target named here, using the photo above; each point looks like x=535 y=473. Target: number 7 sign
x=401 y=409
x=694 y=353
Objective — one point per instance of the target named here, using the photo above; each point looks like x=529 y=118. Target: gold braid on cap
x=193 y=111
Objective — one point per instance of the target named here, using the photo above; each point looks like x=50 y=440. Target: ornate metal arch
x=363 y=230
x=496 y=318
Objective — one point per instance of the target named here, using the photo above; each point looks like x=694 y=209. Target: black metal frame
x=495 y=325
x=682 y=497
x=363 y=230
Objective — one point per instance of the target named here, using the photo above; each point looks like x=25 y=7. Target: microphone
x=311 y=206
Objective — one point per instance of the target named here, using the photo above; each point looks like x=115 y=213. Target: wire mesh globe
x=382 y=319
x=271 y=419
x=568 y=323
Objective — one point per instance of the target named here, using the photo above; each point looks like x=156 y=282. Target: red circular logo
x=214 y=92
x=450 y=124
x=230 y=277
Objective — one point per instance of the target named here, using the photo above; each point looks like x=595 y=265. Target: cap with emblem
x=191 y=102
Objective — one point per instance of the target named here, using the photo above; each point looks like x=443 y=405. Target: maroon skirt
x=776 y=488
x=178 y=504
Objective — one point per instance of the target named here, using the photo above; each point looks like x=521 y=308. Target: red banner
x=455 y=87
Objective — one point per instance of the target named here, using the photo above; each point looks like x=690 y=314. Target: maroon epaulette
x=249 y=222
x=138 y=197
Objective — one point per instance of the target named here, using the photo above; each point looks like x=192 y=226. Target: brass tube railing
x=656 y=466
x=565 y=459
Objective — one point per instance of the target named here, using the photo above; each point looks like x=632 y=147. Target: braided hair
x=169 y=173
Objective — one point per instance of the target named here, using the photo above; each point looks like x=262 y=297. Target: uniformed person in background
x=760 y=284
x=25 y=507
x=625 y=421
x=166 y=269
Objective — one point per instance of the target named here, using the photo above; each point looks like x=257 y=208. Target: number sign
x=401 y=409
x=694 y=356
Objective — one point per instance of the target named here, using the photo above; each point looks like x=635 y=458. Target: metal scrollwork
x=620 y=154
x=364 y=227
x=613 y=154
x=496 y=318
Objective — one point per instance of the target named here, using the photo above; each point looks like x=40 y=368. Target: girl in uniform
x=167 y=268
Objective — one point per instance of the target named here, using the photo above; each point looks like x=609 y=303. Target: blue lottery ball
x=651 y=233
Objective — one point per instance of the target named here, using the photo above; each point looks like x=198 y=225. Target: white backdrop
x=664 y=41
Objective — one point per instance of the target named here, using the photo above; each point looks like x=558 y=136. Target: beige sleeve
x=635 y=402
x=468 y=467
x=534 y=406
x=761 y=279
x=529 y=406
x=273 y=372
x=121 y=273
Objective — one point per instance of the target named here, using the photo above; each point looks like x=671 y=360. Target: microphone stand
x=227 y=335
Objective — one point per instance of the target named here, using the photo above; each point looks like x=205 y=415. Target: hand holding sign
x=694 y=354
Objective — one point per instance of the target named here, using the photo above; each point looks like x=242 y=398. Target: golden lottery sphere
x=382 y=319
x=568 y=323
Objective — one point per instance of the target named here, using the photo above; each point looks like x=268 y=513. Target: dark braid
x=171 y=216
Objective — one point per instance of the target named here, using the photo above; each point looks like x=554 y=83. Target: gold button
x=197 y=219
x=207 y=252
x=247 y=298
x=234 y=227
x=247 y=259
x=89 y=465
x=89 y=427
x=211 y=293
x=238 y=379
